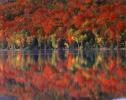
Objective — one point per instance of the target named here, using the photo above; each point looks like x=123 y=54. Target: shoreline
x=67 y=49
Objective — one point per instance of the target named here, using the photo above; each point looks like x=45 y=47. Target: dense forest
x=46 y=49
x=48 y=24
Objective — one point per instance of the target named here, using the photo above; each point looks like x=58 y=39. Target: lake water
x=63 y=75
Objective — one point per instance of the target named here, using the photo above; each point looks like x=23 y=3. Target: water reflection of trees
x=94 y=73
x=85 y=58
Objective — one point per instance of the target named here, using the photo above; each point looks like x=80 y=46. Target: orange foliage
x=74 y=12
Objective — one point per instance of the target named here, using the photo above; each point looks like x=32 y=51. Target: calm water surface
x=63 y=75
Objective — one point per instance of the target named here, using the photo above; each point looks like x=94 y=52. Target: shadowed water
x=63 y=75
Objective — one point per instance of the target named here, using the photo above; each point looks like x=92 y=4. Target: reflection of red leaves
x=79 y=78
x=62 y=83
x=48 y=72
x=38 y=81
x=113 y=81
x=70 y=60
x=20 y=79
x=121 y=72
x=112 y=65
x=103 y=80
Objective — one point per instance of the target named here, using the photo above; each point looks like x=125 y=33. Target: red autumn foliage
x=73 y=12
x=120 y=25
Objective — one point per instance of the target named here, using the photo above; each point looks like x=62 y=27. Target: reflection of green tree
x=90 y=58
x=54 y=59
x=123 y=62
